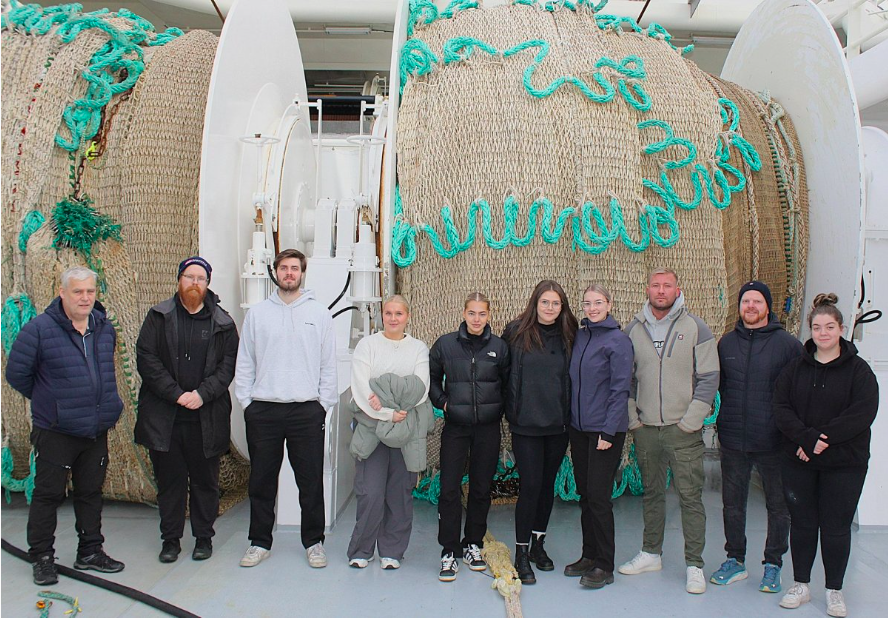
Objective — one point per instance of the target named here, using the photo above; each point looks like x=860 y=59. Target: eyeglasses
x=597 y=304
x=193 y=279
x=554 y=304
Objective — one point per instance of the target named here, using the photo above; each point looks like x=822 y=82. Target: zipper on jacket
x=580 y=382
x=474 y=389
x=743 y=409
x=669 y=332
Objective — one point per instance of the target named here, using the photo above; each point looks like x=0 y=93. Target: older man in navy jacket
x=63 y=361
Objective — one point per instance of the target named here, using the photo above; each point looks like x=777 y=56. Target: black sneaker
x=99 y=561
x=170 y=551
x=203 y=549
x=472 y=557
x=449 y=568
x=45 y=571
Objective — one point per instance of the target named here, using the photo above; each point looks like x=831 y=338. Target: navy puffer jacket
x=47 y=364
x=751 y=360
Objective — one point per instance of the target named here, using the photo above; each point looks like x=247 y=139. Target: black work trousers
x=821 y=502
x=301 y=426
x=538 y=459
x=594 y=472
x=481 y=444
x=86 y=459
x=181 y=471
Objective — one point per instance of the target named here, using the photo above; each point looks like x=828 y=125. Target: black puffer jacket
x=157 y=361
x=838 y=399
x=477 y=374
x=538 y=398
x=751 y=360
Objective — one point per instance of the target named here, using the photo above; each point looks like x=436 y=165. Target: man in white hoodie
x=286 y=383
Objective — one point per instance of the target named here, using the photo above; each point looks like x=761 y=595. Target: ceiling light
x=347 y=30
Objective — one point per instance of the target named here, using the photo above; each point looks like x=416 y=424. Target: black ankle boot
x=538 y=554
x=522 y=565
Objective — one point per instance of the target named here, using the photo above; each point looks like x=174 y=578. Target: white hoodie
x=287 y=353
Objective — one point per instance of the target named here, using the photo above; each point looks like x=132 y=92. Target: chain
x=100 y=142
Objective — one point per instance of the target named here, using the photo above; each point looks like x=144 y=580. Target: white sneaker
x=795 y=596
x=317 y=557
x=696 y=581
x=835 y=603
x=254 y=556
x=360 y=563
x=389 y=563
x=642 y=563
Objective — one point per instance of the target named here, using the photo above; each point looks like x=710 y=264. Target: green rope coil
x=17 y=311
x=31 y=223
x=11 y=484
x=79 y=226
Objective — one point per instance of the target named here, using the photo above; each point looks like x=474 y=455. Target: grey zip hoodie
x=287 y=353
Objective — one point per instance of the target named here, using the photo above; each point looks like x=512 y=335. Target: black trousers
x=86 y=459
x=736 y=468
x=594 y=472
x=181 y=471
x=457 y=441
x=538 y=459
x=821 y=502
x=301 y=426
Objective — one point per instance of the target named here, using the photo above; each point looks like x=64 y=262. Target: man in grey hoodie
x=674 y=384
x=286 y=383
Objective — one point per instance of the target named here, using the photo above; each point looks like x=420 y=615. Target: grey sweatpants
x=383 y=488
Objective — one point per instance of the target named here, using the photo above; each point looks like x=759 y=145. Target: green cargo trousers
x=660 y=448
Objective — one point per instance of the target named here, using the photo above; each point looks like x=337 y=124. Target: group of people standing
x=799 y=414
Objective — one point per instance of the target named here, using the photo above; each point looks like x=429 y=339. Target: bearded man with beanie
x=186 y=355
x=751 y=357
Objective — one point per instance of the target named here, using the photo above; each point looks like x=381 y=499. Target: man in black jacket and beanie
x=751 y=358
x=63 y=361
x=186 y=354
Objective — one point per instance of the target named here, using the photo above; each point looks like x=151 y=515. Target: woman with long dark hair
x=538 y=410
x=824 y=404
x=601 y=374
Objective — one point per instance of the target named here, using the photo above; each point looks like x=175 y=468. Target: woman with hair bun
x=824 y=404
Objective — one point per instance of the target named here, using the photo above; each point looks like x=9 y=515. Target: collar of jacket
x=57 y=313
x=678 y=309
x=464 y=333
x=608 y=323
x=847 y=351
x=773 y=325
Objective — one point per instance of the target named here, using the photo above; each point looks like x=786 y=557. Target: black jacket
x=538 y=400
x=157 y=362
x=476 y=379
x=751 y=360
x=69 y=377
x=838 y=399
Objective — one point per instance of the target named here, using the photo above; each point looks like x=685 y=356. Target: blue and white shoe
x=771 y=579
x=729 y=572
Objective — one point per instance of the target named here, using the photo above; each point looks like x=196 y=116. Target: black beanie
x=195 y=260
x=758 y=286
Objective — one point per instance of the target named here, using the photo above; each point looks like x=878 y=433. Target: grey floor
x=284 y=585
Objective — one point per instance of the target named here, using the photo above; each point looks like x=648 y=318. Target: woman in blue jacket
x=600 y=374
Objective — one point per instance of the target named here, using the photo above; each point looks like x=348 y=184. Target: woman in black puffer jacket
x=538 y=410
x=475 y=364
x=824 y=404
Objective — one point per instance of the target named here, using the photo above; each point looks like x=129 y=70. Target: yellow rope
x=506 y=581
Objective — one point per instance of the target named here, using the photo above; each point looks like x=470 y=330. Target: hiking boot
x=203 y=549
x=99 y=561
x=45 y=571
x=835 y=604
x=642 y=563
x=169 y=551
x=538 y=553
x=472 y=557
x=579 y=568
x=254 y=555
x=795 y=596
x=597 y=578
x=771 y=578
x=522 y=565
x=449 y=568
x=729 y=572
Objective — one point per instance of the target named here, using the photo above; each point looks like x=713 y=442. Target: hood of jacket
x=55 y=310
x=646 y=315
x=847 y=351
x=608 y=323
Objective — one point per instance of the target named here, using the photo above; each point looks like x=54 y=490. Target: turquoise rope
x=17 y=311
x=31 y=223
x=716 y=405
x=11 y=484
x=420 y=11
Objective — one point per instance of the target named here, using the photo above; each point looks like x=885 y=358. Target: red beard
x=192 y=297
